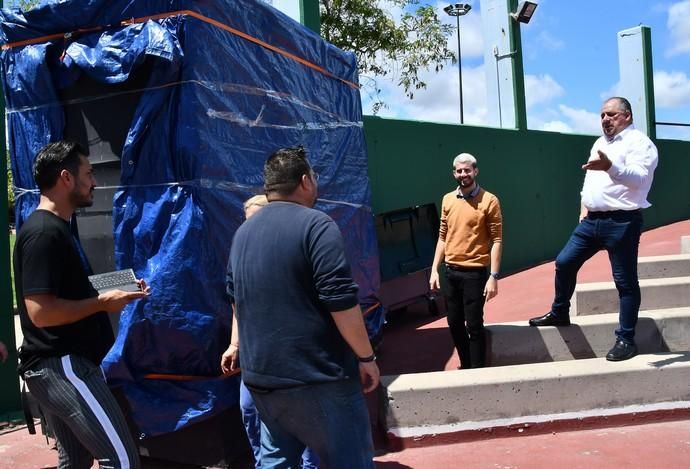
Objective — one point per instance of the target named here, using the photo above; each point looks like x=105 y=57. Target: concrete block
x=677 y=265
x=685 y=244
x=511 y=392
x=515 y=343
x=674 y=327
x=602 y=297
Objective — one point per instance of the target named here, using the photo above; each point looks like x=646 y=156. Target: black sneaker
x=621 y=351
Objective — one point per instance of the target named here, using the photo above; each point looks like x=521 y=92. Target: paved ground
x=655 y=445
x=417 y=342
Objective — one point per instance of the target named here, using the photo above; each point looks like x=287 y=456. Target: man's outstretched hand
x=602 y=164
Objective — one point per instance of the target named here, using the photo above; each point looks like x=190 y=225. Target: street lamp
x=458 y=10
x=524 y=12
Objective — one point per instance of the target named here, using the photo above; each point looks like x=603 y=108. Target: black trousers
x=464 y=292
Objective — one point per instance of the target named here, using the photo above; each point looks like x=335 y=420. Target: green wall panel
x=670 y=194
x=536 y=175
x=10 y=400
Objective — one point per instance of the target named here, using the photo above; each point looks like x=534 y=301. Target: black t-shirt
x=47 y=261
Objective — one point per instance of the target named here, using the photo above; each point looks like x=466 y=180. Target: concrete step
x=548 y=373
x=676 y=265
x=602 y=297
x=451 y=401
x=515 y=343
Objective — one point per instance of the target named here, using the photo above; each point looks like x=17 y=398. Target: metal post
x=458 y=10
x=462 y=118
x=310 y=16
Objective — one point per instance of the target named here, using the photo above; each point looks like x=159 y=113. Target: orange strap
x=171 y=377
x=371 y=308
x=50 y=37
x=197 y=16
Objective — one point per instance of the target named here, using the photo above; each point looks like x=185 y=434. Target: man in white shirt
x=619 y=175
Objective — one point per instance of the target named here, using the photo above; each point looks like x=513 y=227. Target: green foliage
x=416 y=42
x=10 y=192
x=13 y=238
x=26 y=5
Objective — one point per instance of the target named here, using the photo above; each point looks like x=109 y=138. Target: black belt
x=460 y=268
x=614 y=214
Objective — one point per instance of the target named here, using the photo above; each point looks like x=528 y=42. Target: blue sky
x=570 y=62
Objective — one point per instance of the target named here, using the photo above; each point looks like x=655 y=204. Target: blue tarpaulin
x=227 y=83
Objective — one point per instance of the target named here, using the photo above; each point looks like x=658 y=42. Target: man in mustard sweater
x=469 y=242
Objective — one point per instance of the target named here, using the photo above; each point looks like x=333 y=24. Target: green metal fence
x=536 y=175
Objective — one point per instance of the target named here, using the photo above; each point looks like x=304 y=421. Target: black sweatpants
x=83 y=414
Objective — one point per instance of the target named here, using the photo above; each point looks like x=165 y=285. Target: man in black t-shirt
x=65 y=321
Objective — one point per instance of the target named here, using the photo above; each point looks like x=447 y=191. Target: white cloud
x=679 y=28
x=671 y=89
x=673 y=133
x=394 y=11
x=615 y=90
x=557 y=126
x=471 y=37
x=544 y=43
x=440 y=101
x=541 y=89
x=442 y=87
x=550 y=42
x=581 y=120
x=566 y=120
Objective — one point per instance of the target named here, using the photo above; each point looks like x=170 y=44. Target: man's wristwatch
x=368 y=359
x=494 y=275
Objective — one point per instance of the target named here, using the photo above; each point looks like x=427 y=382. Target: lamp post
x=458 y=10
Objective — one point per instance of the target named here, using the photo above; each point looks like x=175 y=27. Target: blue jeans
x=252 y=425
x=619 y=233
x=331 y=418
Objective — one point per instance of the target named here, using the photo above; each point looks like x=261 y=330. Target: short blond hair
x=464 y=158
x=258 y=200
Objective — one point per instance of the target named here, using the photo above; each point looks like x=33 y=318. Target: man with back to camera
x=64 y=320
x=303 y=343
x=619 y=175
x=250 y=416
x=469 y=241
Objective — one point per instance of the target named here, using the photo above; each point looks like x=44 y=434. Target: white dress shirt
x=627 y=182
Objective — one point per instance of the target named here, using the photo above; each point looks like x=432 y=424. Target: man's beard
x=465 y=182
x=81 y=201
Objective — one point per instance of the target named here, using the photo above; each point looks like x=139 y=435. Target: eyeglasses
x=315 y=175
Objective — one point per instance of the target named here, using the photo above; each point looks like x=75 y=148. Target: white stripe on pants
x=86 y=418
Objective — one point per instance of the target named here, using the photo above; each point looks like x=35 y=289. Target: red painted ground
x=652 y=446
x=417 y=342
